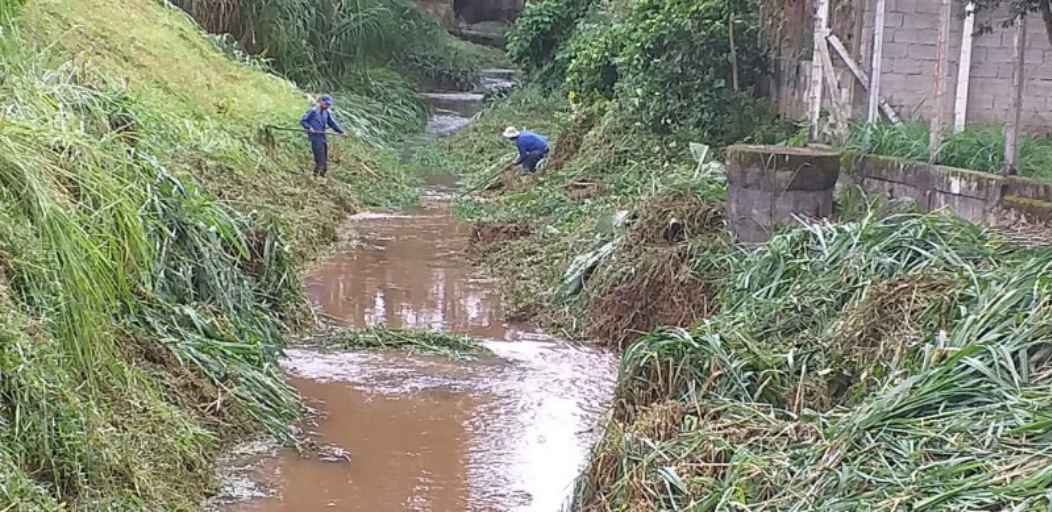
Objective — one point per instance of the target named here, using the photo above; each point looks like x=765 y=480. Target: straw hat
x=510 y=132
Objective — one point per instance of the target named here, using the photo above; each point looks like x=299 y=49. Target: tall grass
x=324 y=43
x=149 y=245
x=893 y=362
x=979 y=148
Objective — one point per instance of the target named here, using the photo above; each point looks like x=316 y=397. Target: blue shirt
x=317 y=120
x=529 y=142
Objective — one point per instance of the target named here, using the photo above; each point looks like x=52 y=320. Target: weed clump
x=418 y=341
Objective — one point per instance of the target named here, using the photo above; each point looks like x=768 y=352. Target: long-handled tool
x=490 y=175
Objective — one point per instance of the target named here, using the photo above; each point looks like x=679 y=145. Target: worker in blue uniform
x=532 y=148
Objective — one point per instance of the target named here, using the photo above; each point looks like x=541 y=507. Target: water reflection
x=409 y=272
x=502 y=433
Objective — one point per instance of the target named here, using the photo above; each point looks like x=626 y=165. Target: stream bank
x=508 y=430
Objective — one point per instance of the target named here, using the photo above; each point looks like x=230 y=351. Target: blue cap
x=326 y=99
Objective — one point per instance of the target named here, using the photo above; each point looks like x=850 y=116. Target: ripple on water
x=508 y=432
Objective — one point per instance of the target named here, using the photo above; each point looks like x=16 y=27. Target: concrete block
x=911 y=66
x=983 y=70
x=1005 y=70
x=999 y=55
x=962 y=182
x=891 y=190
x=1032 y=208
x=895 y=50
x=749 y=213
x=923 y=51
x=779 y=168
x=770 y=185
x=987 y=41
x=810 y=203
x=894 y=20
x=905 y=35
x=925 y=7
x=926 y=23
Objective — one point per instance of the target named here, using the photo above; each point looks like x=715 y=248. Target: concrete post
x=768 y=186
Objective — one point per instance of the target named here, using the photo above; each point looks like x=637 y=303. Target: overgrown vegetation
x=686 y=69
x=336 y=45
x=150 y=236
x=642 y=83
x=893 y=362
x=534 y=227
x=979 y=149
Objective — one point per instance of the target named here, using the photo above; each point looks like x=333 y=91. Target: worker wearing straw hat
x=532 y=148
x=315 y=122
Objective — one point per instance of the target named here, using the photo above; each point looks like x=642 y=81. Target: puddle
x=425 y=433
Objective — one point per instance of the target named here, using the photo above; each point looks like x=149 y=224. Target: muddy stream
x=503 y=432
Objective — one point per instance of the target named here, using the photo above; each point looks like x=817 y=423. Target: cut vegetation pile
x=410 y=340
x=652 y=280
x=890 y=363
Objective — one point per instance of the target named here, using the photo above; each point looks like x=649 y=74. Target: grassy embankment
x=150 y=243
x=894 y=362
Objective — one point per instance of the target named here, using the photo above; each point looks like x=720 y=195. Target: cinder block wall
x=910 y=33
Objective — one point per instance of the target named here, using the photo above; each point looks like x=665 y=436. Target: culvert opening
x=478 y=11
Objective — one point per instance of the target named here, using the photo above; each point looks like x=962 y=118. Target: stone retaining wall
x=973 y=196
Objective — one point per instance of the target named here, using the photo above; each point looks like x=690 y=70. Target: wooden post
x=1012 y=124
x=734 y=52
x=876 y=71
x=942 y=62
x=862 y=77
x=878 y=63
x=840 y=111
x=821 y=27
x=964 y=70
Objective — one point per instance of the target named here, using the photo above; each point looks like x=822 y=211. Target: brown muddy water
x=507 y=432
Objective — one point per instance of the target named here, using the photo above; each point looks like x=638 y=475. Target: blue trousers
x=320 y=148
x=530 y=160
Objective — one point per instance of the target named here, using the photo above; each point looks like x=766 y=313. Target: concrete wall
x=910 y=32
x=973 y=196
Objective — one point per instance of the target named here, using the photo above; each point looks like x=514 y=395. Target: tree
x=1015 y=8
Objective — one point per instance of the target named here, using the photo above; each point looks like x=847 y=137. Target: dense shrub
x=316 y=42
x=675 y=65
x=590 y=60
x=541 y=29
x=666 y=64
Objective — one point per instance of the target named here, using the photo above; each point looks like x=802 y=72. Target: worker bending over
x=532 y=148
